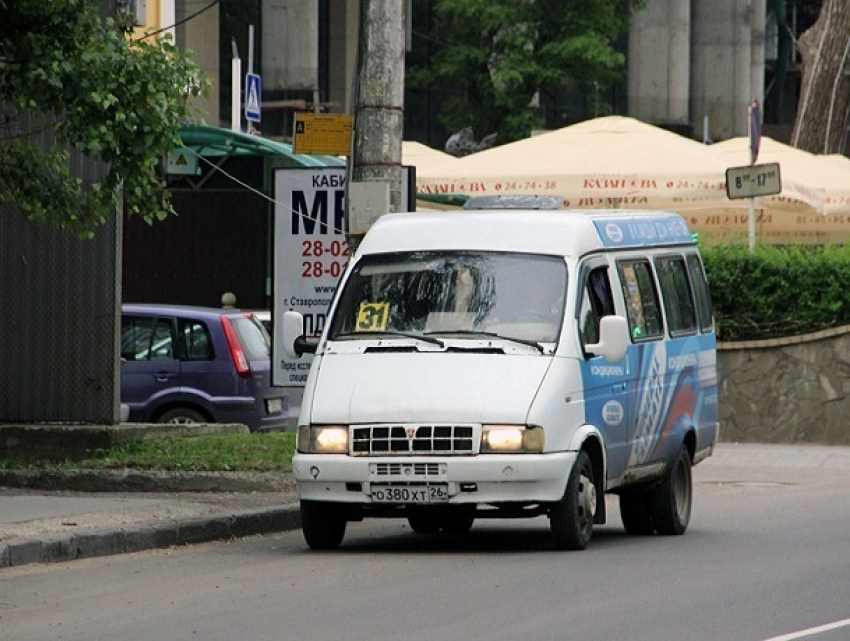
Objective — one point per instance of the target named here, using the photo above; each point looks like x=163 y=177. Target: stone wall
x=788 y=390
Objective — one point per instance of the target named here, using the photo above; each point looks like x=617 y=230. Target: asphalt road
x=767 y=556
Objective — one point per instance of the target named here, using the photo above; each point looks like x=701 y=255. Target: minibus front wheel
x=323 y=524
x=571 y=518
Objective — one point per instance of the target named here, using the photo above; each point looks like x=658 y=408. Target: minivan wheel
x=323 y=524
x=571 y=518
x=182 y=416
x=672 y=497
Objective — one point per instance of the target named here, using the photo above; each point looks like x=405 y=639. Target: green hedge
x=777 y=291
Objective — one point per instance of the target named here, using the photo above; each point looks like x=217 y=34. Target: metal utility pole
x=376 y=174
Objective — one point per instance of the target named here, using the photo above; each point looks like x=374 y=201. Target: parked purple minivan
x=182 y=364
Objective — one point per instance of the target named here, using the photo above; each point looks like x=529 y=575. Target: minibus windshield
x=519 y=296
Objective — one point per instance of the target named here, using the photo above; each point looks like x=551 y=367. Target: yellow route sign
x=322 y=134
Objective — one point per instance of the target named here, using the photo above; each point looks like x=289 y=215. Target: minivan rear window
x=196 y=339
x=254 y=339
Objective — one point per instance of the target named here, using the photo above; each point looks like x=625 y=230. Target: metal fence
x=59 y=316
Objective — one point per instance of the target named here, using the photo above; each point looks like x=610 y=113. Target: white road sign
x=753 y=180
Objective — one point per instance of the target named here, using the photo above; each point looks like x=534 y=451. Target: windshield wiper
x=390 y=334
x=521 y=341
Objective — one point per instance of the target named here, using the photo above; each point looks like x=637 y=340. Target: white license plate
x=410 y=493
x=274 y=405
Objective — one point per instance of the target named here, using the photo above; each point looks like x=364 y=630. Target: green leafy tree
x=500 y=53
x=67 y=71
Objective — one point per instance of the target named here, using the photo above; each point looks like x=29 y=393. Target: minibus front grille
x=407 y=469
x=400 y=440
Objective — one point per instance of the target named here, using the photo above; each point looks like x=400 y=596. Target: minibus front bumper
x=483 y=478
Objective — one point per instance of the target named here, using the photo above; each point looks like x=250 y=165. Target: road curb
x=83 y=544
x=140 y=481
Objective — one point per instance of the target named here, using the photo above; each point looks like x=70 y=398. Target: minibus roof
x=554 y=232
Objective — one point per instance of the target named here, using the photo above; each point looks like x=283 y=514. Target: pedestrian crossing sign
x=253 y=97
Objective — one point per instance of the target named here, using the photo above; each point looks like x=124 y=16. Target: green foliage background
x=499 y=53
x=777 y=291
x=65 y=70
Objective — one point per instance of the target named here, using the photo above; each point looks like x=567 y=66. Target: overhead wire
x=181 y=21
x=256 y=191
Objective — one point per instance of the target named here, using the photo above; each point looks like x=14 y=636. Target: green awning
x=218 y=141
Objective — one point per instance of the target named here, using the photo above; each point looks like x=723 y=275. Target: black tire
x=182 y=416
x=457 y=524
x=422 y=522
x=433 y=520
x=673 y=496
x=571 y=518
x=323 y=524
x=636 y=512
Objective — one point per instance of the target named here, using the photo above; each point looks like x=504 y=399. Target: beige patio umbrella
x=839 y=160
x=605 y=162
x=624 y=163
x=422 y=156
x=806 y=177
x=813 y=207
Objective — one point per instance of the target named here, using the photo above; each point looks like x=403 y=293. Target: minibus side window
x=706 y=322
x=596 y=302
x=676 y=290
x=641 y=299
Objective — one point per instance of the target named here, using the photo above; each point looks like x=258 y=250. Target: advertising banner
x=310 y=254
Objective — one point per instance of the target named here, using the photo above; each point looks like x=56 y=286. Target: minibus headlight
x=506 y=439
x=323 y=439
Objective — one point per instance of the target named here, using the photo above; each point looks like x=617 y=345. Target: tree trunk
x=824 y=105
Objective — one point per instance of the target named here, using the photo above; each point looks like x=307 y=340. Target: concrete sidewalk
x=46 y=526
x=49 y=525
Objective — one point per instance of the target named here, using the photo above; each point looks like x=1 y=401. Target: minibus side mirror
x=613 y=339
x=294 y=342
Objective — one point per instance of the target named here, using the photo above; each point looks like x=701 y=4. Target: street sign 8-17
x=753 y=180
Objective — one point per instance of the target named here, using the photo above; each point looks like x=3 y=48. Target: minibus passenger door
x=648 y=358
x=605 y=384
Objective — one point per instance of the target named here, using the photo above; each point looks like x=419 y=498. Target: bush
x=777 y=291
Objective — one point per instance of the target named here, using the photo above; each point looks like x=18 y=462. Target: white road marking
x=811 y=631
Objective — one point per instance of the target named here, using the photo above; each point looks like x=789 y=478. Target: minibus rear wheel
x=323 y=524
x=672 y=497
x=571 y=518
x=636 y=512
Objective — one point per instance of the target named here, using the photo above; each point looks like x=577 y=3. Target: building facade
x=692 y=65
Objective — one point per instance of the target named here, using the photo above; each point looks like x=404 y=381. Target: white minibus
x=504 y=364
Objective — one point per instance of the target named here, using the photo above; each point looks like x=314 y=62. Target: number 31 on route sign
x=753 y=180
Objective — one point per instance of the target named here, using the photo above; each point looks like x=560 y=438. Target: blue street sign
x=253 y=97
